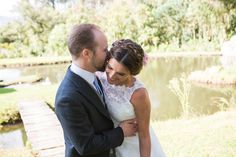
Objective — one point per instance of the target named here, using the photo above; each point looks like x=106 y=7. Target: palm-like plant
x=181 y=88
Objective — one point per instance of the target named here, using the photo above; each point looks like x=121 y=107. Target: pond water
x=166 y=104
x=156 y=76
x=12 y=136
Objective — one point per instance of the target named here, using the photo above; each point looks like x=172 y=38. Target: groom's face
x=100 y=54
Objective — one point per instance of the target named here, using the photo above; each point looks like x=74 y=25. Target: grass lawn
x=10 y=97
x=206 y=136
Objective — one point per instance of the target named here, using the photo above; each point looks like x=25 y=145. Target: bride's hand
x=129 y=127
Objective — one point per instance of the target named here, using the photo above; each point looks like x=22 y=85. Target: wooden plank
x=53 y=152
x=43 y=138
x=46 y=145
x=37 y=135
x=43 y=129
x=41 y=120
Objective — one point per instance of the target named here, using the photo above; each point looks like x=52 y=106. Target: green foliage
x=29 y=36
x=9 y=114
x=158 y=25
x=230 y=4
x=57 y=40
x=150 y=37
x=119 y=20
x=39 y=22
x=79 y=14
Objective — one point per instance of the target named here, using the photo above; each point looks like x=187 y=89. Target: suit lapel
x=90 y=94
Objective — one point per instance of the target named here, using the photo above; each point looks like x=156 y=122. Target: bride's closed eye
x=109 y=67
x=117 y=73
x=121 y=74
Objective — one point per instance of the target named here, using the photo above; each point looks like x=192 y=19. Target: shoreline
x=35 y=61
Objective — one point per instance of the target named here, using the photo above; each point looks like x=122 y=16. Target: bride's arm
x=141 y=103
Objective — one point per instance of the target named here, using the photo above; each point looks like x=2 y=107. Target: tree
x=52 y=3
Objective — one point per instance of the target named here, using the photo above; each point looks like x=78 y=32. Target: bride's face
x=117 y=73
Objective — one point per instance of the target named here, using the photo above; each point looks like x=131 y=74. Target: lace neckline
x=118 y=93
x=121 y=86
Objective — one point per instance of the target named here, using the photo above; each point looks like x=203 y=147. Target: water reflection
x=156 y=76
x=51 y=73
x=9 y=74
x=12 y=136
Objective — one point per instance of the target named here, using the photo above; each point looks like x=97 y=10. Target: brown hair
x=81 y=37
x=129 y=53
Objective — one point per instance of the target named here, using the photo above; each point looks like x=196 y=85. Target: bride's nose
x=112 y=75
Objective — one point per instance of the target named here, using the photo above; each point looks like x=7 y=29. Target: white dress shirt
x=86 y=75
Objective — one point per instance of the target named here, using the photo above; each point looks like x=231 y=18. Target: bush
x=57 y=41
x=9 y=114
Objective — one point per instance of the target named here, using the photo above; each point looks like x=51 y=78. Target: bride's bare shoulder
x=140 y=95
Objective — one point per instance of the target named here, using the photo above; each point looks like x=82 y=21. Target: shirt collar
x=86 y=75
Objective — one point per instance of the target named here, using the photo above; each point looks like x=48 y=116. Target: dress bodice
x=120 y=108
x=118 y=98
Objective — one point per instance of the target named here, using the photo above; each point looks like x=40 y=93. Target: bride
x=127 y=98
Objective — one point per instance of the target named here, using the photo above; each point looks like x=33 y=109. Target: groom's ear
x=87 y=53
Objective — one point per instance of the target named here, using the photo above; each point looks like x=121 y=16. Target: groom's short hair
x=81 y=37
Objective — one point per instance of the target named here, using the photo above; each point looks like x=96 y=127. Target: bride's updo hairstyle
x=128 y=53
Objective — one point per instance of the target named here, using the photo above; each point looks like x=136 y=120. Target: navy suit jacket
x=87 y=127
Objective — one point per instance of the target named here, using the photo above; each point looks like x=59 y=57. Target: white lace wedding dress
x=119 y=106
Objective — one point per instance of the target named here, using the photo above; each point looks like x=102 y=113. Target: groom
x=87 y=126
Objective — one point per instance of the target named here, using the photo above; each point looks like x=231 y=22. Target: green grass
x=206 y=136
x=10 y=97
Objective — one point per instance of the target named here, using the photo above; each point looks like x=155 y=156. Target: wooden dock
x=43 y=129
